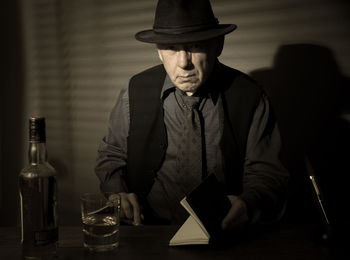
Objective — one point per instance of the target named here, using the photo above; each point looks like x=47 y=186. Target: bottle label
x=38 y=210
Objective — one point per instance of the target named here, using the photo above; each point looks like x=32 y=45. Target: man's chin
x=188 y=87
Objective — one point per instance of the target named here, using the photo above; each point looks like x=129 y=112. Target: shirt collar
x=207 y=90
x=168 y=86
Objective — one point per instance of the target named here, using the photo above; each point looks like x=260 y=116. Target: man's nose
x=184 y=58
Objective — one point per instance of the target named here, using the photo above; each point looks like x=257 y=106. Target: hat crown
x=184 y=21
x=175 y=14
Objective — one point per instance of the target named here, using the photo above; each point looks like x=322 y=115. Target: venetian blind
x=80 y=53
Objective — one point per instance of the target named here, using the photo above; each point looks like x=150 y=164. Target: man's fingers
x=126 y=206
x=130 y=208
x=228 y=222
x=136 y=208
x=237 y=215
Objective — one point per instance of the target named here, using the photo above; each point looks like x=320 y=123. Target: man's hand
x=130 y=209
x=237 y=216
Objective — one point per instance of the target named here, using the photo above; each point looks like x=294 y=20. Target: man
x=160 y=146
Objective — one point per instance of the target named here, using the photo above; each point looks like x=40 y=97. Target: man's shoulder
x=151 y=79
x=157 y=70
x=237 y=76
x=237 y=79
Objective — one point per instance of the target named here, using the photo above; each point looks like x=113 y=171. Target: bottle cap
x=37 y=129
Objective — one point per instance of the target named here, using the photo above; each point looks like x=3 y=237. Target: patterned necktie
x=189 y=157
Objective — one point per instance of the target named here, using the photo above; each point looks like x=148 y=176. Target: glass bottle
x=38 y=197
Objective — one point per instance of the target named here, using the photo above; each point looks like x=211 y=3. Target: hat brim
x=150 y=36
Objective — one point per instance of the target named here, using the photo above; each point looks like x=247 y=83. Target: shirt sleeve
x=265 y=178
x=112 y=152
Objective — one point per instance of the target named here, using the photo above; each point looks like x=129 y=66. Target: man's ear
x=159 y=54
x=220 y=45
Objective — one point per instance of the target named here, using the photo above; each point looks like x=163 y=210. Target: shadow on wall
x=309 y=94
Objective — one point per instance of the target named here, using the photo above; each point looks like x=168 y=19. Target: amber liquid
x=101 y=232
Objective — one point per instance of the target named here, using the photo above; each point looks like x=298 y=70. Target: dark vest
x=147 y=141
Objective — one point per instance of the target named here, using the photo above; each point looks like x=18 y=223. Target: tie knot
x=191 y=102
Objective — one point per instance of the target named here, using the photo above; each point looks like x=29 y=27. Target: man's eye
x=196 y=46
x=169 y=47
x=166 y=47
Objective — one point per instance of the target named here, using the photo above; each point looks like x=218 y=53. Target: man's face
x=189 y=65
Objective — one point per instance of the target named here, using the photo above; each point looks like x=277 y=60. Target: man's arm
x=112 y=151
x=265 y=178
x=112 y=157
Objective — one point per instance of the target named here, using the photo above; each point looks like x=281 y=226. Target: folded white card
x=192 y=231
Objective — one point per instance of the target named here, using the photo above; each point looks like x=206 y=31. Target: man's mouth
x=188 y=77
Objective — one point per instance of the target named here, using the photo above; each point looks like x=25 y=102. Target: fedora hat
x=184 y=21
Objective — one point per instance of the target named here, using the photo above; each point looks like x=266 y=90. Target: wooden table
x=151 y=242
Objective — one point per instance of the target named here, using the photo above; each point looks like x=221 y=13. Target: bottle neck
x=37 y=153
